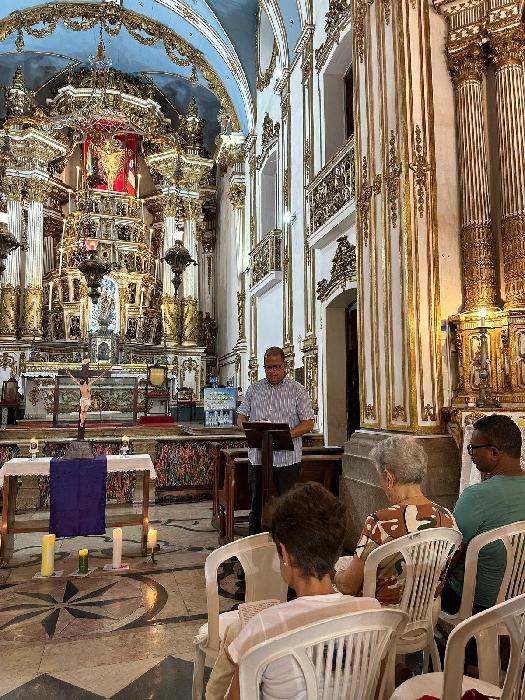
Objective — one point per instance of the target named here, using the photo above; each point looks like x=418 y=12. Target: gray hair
x=405 y=458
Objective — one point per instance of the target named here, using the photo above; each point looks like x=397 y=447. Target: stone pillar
x=508 y=51
x=479 y=284
x=32 y=294
x=11 y=278
x=207 y=240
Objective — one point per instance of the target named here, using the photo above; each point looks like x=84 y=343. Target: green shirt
x=494 y=502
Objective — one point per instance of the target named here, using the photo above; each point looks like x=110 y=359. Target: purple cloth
x=78 y=496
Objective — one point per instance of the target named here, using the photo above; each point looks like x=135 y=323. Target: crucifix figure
x=85 y=384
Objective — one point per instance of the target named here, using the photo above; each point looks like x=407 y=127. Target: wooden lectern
x=268 y=437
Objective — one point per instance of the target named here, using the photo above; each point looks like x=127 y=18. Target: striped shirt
x=286 y=402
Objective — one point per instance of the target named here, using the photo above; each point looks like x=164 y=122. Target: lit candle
x=117 y=548
x=482 y=315
x=83 y=561
x=141 y=301
x=48 y=555
x=78 y=177
x=139 y=176
x=152 y=538
x=50 y=295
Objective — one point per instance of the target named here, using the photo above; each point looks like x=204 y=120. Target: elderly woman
x=402 y=465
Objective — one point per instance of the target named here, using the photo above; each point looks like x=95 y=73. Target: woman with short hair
x=401 y=463
x=308 y=527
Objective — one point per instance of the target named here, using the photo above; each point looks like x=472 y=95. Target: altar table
x=40 y=466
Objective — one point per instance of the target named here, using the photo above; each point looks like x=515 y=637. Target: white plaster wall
x=269 y=322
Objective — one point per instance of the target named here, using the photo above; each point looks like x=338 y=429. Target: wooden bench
x=231 y=490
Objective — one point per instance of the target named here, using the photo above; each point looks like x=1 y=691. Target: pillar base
x=359 y=485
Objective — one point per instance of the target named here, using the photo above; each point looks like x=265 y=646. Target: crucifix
x=85 y=381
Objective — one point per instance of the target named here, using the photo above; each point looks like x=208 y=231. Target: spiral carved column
x=508 y=51
x=479 y=281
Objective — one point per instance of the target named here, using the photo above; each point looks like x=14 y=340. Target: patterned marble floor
x=107 y=635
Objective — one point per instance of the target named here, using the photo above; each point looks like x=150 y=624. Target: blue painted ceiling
x=233 y=21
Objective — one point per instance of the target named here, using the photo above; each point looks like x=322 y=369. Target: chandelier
x=178 y=258
x=92 y=267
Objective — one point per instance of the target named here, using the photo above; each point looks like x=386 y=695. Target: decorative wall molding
x=344 y=269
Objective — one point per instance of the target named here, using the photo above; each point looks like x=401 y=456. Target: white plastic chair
x=258 y=557
x=513 y=584
x=340 y=658
x=425 y=554
x=451 y=684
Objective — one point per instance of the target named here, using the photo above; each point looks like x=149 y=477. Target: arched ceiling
x=222 y=31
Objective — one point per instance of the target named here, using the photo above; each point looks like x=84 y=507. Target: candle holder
x=124 y=449
x=485 y=398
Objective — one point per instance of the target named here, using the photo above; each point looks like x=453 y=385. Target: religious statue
x=106 y=305
x=209 y=332
x=85 y=385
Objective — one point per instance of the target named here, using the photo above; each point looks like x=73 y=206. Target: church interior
x=184 y=185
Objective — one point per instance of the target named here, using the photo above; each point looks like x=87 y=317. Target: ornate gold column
x=37 y=192
x=173 y=215
x=11 y=280
x=479 y=285
x=508 y=52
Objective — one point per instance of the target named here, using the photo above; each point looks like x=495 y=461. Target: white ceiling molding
x=271 y=7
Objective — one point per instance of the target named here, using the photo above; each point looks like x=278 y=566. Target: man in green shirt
x=498 y=500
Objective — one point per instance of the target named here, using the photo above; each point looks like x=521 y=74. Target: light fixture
x=288 y=217
x=92 y=267
x=178 y=258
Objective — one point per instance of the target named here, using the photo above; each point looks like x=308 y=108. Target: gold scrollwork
x=237 y=195
x=333 y=187
x=343 y=269
x=420 y=167
x=392 y=179
x=338 y=15
x=267 y=257
x=364 y=199
x=399 y=413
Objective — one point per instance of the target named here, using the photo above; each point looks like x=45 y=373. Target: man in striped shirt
x=277 y=399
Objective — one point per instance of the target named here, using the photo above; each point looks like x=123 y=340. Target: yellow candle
x=48 y=555
x=83 y=556
x=152 y=538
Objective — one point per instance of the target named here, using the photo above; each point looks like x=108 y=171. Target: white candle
x=50 y=294
x=482 y=314
x=152 y=538
x=117 y=548
x=138 y=185
x=162 y=312
x=141 y=301
x=78 y=176
x=142 y=209
x=69 y=202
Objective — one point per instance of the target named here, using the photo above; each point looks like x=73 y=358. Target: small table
x=40 y=467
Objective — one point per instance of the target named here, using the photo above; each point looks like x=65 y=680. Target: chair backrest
x=425 y=554
x=512 y=537
x=258 y=557
x=509 y=615
x=341 y=657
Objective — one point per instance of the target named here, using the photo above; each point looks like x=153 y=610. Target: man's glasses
x=471 y=448
x=273 y=367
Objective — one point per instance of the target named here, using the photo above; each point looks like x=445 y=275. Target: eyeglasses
x=273 y=367
x=471 y=447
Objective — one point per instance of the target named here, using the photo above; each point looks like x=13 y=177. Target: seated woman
x=308 y=527
x=402 y=465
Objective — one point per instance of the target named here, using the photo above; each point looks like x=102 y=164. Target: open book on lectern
x=282 y=439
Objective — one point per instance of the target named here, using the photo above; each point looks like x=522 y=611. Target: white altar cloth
x=23 y=466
